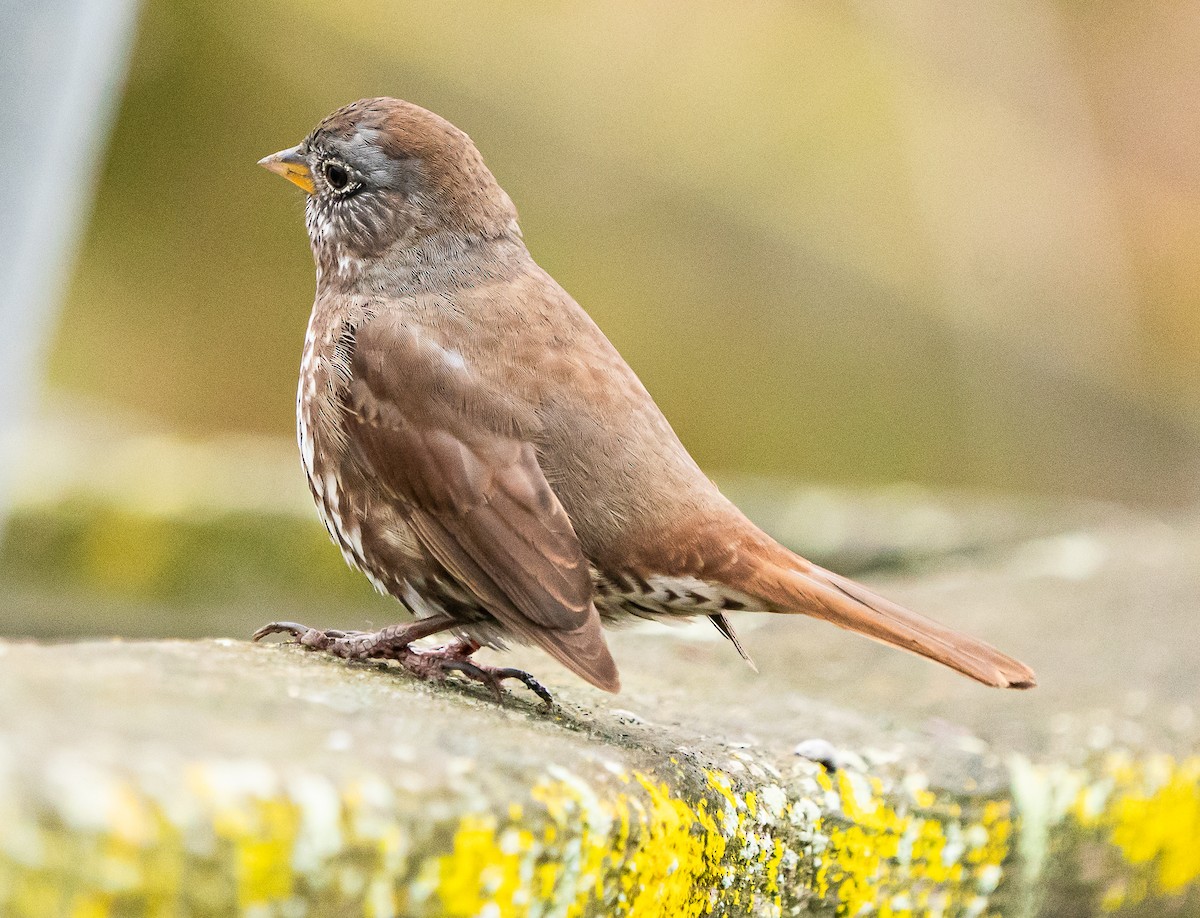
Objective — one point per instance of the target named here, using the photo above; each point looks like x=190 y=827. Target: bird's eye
x=336 y=176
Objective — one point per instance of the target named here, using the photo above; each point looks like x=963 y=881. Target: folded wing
x=454 y=455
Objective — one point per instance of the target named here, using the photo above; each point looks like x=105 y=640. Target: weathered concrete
x=206 y=777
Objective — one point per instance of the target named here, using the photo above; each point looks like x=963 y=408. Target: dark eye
x=336 y=176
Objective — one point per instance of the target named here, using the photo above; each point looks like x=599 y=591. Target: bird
x=477 y=447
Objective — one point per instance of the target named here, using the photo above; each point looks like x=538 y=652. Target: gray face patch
x=389 y=196
x=369 y=214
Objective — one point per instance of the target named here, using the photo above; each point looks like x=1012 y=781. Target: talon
x=293 y=628
x=490 y=676
x=477 y=673
x=536 y=687
x=530 y=683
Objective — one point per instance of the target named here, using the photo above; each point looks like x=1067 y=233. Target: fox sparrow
x=478 y=448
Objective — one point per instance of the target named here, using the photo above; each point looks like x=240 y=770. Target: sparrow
x=478 y=448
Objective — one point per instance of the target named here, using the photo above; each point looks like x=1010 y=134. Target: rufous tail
x=814 y=591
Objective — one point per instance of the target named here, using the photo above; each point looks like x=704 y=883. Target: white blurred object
x=62 y=65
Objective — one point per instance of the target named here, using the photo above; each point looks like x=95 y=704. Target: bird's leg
x=393 y=643
x=388 y=643
x=439 y=662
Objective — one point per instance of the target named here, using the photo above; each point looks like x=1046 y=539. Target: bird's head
x=384 y=174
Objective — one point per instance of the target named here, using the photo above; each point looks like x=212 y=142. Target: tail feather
x=722 y=625
x=814 y=591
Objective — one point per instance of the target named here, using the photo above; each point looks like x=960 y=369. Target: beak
x=291 y=165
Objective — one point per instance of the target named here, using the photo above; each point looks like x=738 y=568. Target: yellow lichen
x=1149 y=811
x=885 y=857
x=644 y=853
x=482 y=870
x=262 y=840
x=665 y=855
x=631 y=846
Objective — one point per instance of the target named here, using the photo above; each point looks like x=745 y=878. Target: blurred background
x=922 y=249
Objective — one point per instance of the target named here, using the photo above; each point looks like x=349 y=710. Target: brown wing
x=453 y=452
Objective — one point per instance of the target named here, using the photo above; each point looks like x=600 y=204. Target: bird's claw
x=492 y=677
x=424 y=664
x=303 y=634
x=293 y=628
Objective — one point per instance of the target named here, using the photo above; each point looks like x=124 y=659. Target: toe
x=292 y=628
x=476 y=673
x=530 y=683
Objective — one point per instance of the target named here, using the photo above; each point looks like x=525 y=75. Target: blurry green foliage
x=221 y=558
x=727 y=189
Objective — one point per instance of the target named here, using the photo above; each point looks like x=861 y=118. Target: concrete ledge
x=215 y=777
x=207 y=778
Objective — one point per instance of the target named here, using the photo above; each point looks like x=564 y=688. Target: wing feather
x=473 y=491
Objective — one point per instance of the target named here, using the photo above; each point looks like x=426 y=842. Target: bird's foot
x=394 y=643
x=439 y=662
x=385 y=644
